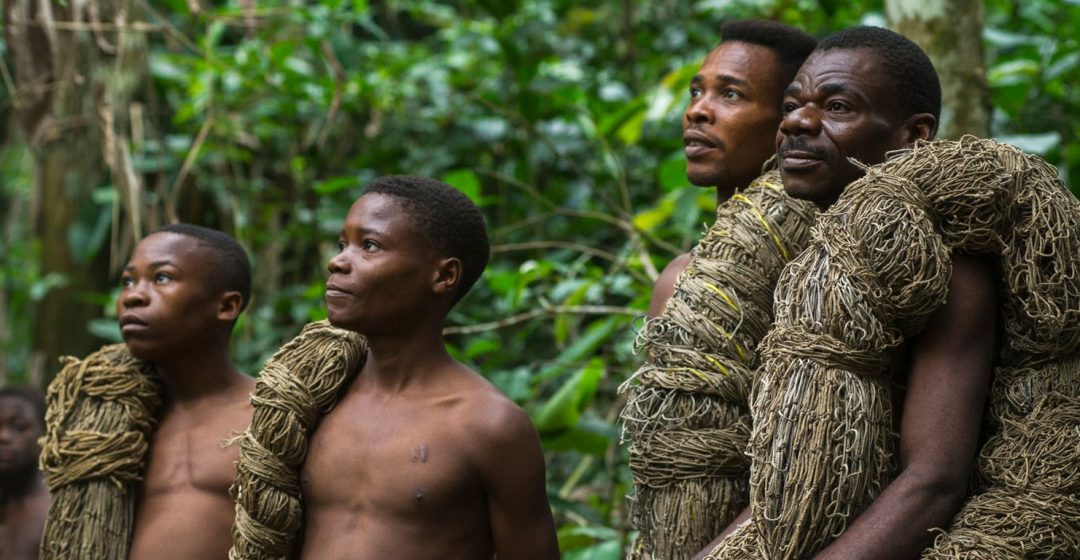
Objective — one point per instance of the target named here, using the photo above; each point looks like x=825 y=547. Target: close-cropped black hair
x=910 y=70
x=791 y=45
x=449 y=221
x=29 y=394
x=231 y=267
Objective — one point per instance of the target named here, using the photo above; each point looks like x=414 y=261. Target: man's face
x=842 y=104
x=734 y=110
x=19 y=432
x=381 y=278
x=166 y=305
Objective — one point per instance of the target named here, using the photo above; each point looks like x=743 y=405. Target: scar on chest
x=420 y=453
x=418 y=495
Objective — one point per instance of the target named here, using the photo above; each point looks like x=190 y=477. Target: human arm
x=664 y=287
x=511 y=466
x=739 y=520
x=948 y=382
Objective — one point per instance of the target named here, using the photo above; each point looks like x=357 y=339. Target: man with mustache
x=863 y=93
x=682 y=501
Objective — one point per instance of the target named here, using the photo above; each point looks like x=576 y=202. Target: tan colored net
x=687 y=421
x=100 y=417
x=296 y=388
x=878 y=265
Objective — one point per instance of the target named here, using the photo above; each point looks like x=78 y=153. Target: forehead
x=754 y=64
x=15 y=407
x=385 y=214
x=172 y=247
x=859 y=70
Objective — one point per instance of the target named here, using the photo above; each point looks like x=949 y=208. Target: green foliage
x=561 y=119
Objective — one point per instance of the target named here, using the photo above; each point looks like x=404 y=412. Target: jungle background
x=559 y=118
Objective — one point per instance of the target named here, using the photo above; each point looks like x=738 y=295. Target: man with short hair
x=24 y=499
x=414 y=455
x=863 y=93
x=159 y=409
x=686 y=422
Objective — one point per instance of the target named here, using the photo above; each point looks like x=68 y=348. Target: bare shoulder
x=664 y=287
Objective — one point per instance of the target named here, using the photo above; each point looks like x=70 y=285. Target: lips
x=335 y=291
x=696 y=143
x=798 y=159
x=130 y=322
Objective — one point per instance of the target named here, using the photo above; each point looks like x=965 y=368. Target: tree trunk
x=950 y=31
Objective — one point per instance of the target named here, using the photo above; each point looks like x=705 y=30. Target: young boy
x=182 y=292
x=419 y=457
x=24 y=499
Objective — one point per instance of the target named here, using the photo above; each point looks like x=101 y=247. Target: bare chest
x=187 y=456
x=396 y=464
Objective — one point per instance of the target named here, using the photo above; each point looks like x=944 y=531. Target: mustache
x=799 y=144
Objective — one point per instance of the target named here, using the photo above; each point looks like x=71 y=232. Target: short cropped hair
x=31 y=396
x=791 y=45
x=910 y=70
x=232 y=268
x=449 y=221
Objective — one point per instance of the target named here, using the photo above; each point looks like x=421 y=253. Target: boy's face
x=19 y=432
x=166 y=306
x=381 y=279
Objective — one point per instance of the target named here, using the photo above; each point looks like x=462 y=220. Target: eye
x=126 y=281
x=695 y=92
x=162 y=278
x=369 y=246
x=340 y=246
x=731 y=94
x=788 y=107
x=837 y=106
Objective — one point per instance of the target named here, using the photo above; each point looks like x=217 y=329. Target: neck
x=397 y=361
x=18 y=485
x=193 y=375
x=723 y=193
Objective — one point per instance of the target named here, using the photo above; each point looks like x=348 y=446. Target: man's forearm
x=739 y=519
x=897 y=524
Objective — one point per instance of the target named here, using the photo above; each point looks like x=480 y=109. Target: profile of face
x=167 y=304
x=386 y=274
x=841 y=105
x=729 y=126
x=20 y=429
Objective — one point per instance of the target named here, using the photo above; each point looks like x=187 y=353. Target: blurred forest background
x=560 y=118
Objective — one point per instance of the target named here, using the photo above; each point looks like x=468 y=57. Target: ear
x=920 y=126
x=230 y=306
x=447 y=276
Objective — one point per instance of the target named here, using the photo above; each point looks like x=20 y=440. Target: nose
x=133 y=296
x=338 y=264
x=698 y=112
x=803 y=120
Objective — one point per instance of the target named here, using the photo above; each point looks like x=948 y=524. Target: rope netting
x=100 y=417
x=297 y=387
x=878 y=265
x=687 y=420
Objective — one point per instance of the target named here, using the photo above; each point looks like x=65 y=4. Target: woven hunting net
x=687 y=420
x=297 y=387
x=878 y=264
x=100 y=417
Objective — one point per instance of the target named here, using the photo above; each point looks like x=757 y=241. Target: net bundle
x=687 y=421
x=878 y=264
x=100 y=417
x=297 y=387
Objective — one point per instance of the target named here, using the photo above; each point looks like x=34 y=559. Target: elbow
x=940 y=493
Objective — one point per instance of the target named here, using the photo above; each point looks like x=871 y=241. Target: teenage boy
x=24 y=499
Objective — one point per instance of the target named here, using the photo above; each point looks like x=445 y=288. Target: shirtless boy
x=24 y=499
x=183 y=290
x=421 y=457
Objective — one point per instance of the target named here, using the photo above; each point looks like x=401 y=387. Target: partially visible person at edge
x=421 y=457
x=863 y=93
x=182 y=292
x=24 y=499
x=729 y=136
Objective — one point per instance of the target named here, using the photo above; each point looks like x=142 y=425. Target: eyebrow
x=155 y=264
x=725 y=78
